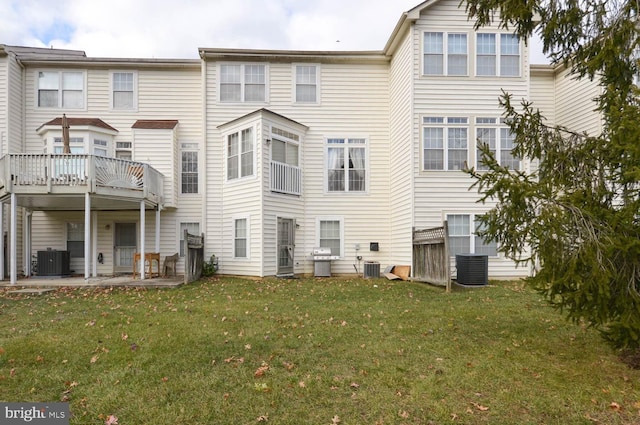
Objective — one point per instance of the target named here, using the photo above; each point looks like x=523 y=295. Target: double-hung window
x=243 y=83
x=435 y=62
x=490 y=63
x=499 y=140
x=330 y=234
x=240 y=146
x=241 y=238
x=346 y=165
x=189 y=174
x=61 y=89
x=463 y=238
x=123 y=90
x=445 y=143
x=306 y=86
x=75 y=240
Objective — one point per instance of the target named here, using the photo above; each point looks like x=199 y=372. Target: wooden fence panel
x=431 y=261
x=193 y=256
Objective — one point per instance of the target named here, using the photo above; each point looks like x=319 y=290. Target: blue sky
x=176 y=29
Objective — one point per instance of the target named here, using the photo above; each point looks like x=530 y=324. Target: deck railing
x=21 y=171
x=286 y=178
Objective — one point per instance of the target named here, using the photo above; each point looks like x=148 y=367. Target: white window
x=490 y=63
x=346 y=165
x=240 y=146
x=123 y=90
x=76 y=145
x=487 y=131
x=123 y=150
x=100 y=147
x=193 y=228
x=284 y=147
x=189 y=173
x=435 y=62
x=463 y=238
x=445 y=143
x=330 y=234
x=306 y=86
x=243 y=83
x=241 y=238
x=61 y=89
x=75 y=240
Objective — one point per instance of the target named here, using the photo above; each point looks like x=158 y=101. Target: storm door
x=125 y=244
x=286 y=244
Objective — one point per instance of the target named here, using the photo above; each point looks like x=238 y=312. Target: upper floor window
x=189 y=174
x=488 y=132
x=240 y=146
x=306 y=87
x=243 y=83
x=61 y=89
x=489 y=62
x=346 y=165
x=445 y=143
x=435 y=62
x=123 y=86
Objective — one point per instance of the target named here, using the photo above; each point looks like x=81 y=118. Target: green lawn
x=311 y=351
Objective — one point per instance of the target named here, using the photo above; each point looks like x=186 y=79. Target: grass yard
x=310 y=351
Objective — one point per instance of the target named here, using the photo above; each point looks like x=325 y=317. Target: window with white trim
x=240 y=147
x=306 y=86
x=489 y=62
x=123 y=150
x=123 y=90
x=189 y=167
x=464 y=240
x=435 y=62
x=346 y=164
x=499 y=139
x=100 y=147
x=330 y=234
x=243 y=83
x=75 y=240
x=191 y=227
x=61 y=89
x=241 y=238
x=445 y=143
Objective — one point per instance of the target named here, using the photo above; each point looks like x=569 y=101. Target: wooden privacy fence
x=193 y=256
x=431 y=261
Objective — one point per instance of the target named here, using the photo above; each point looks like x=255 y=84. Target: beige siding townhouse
x=269 y=154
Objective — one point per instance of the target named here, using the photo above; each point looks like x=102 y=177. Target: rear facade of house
x=268 y=154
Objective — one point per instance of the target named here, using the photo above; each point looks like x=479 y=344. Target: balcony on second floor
x=286 y=178
x=35 y=176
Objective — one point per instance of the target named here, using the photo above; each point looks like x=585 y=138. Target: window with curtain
x=123 y=85
x=433 y=58
x=330 y=235
x=346 y=165
x=486 y=54
x=457 y=54
x=509 y=55
x=243 y=83
x=189 y=174
x=306 y=83
x=60 y=89
x=497 y=54
x=240 y=238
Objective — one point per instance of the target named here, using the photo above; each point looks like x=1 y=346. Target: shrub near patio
x=316 y=351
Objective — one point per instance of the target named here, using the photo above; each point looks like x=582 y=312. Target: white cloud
x=171 y=29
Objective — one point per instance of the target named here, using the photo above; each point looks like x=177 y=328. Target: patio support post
x=27 y=243
x=157 y=229
x=2 y=251
x=87 y=235
x=142 y=237
x=14 y=240
x=94 y=243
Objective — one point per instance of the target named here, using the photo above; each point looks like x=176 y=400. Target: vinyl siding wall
x=575 y=103
x=438 y=193
x=400 y=151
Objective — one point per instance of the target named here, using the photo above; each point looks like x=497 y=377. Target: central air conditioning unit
x=371 y=269
x=473 y=269
x=53 y=263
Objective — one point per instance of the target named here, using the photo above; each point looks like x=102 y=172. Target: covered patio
x=74 y=182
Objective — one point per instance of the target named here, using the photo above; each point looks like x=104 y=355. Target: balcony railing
x=286 y=178
x=45 y=173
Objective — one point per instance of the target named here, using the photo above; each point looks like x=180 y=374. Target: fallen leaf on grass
x=263 y=418
x=94 y=358
x=111 y=420
x=301 y=384
x=261 y=370
x=1 y=350
x=335 y=420
x=403 y=414
x=479 y=407
x=354 y=385
x=614 y=406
